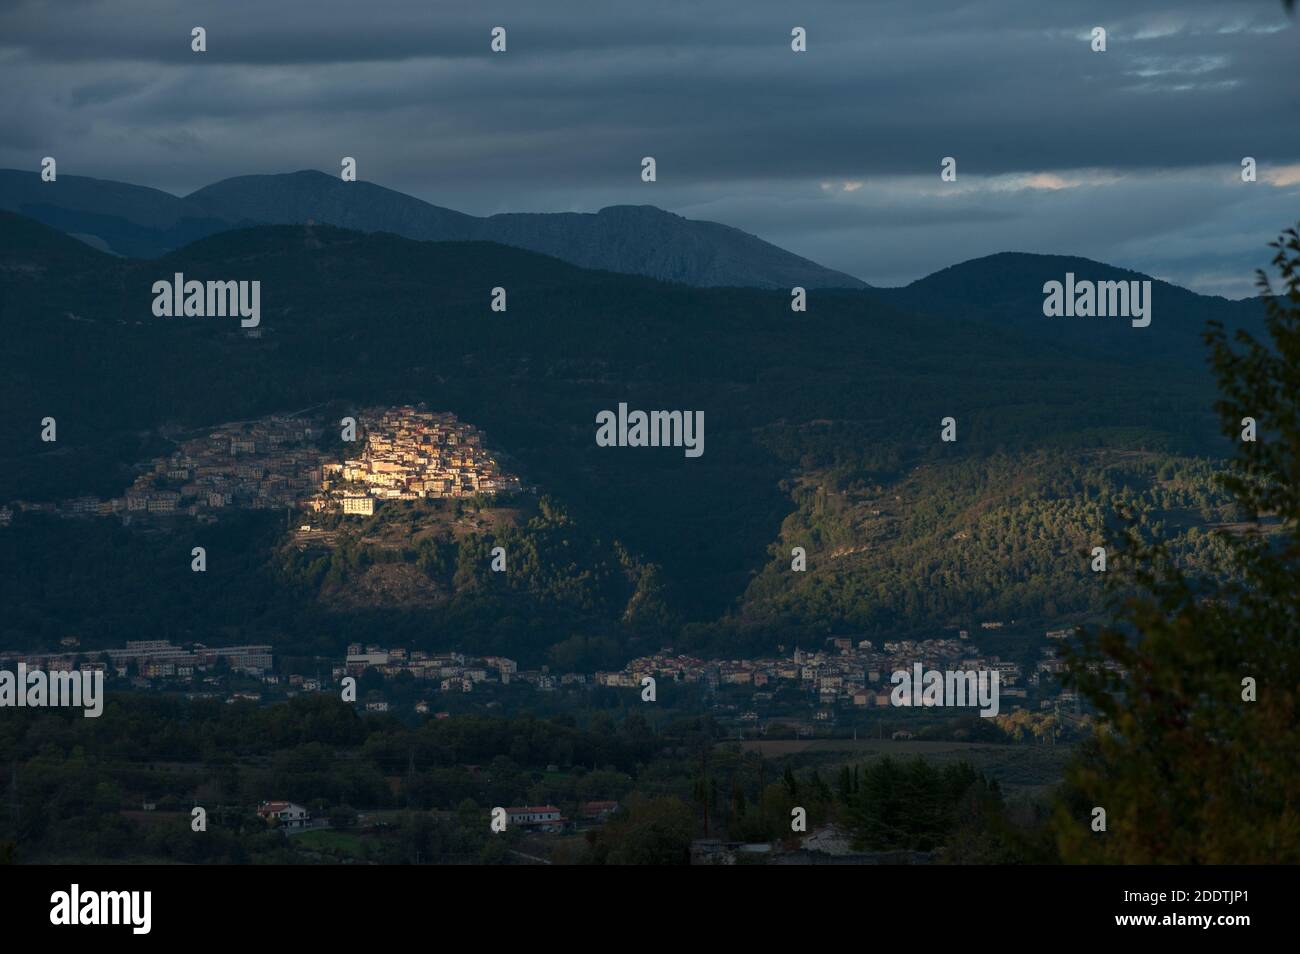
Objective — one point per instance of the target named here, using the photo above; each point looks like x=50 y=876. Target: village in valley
x=410 y=453
x=835 y=687
x=810 y=692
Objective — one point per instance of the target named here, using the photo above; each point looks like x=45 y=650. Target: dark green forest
x=813 y=423
x=422 y=794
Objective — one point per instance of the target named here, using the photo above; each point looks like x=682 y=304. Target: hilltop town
x=411 y=453
x=406 y=453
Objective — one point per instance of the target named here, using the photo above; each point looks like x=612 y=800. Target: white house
x=289 y=814
x=545 y=818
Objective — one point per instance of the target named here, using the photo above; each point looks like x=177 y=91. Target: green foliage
x=78 y=780
x=1188 y=768
x=912 y=805
x=646 y=831
x=999 y=537
x=569 y=597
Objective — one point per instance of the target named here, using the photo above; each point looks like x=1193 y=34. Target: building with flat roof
x=543 y=818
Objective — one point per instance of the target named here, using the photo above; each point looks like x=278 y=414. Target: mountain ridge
x=138 y=222
x=1006 y=288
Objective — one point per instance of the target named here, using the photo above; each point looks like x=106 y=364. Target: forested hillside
x=994 y=538
x=822 y=430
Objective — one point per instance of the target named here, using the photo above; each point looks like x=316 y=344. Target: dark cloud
x=744 y=130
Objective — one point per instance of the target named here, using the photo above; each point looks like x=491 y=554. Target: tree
x=647 y=831
x=1198 y=755
x=914 y=805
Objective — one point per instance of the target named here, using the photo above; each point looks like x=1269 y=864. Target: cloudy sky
x=1131 y=156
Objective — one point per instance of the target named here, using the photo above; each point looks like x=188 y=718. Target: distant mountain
x=127 y=220
x=1007 y=288
x=644 y=240
x=640 y=240
x=297 y=197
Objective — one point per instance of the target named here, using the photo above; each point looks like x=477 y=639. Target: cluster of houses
x=407 y=453
x=451 y=672
x=266 y=464
x=410 y=453
x=207 y=671
x=262 y=465
x=851 y=672
x=146 y=659
x=848 y=672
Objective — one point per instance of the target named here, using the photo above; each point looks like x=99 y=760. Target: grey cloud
x=743 y=129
